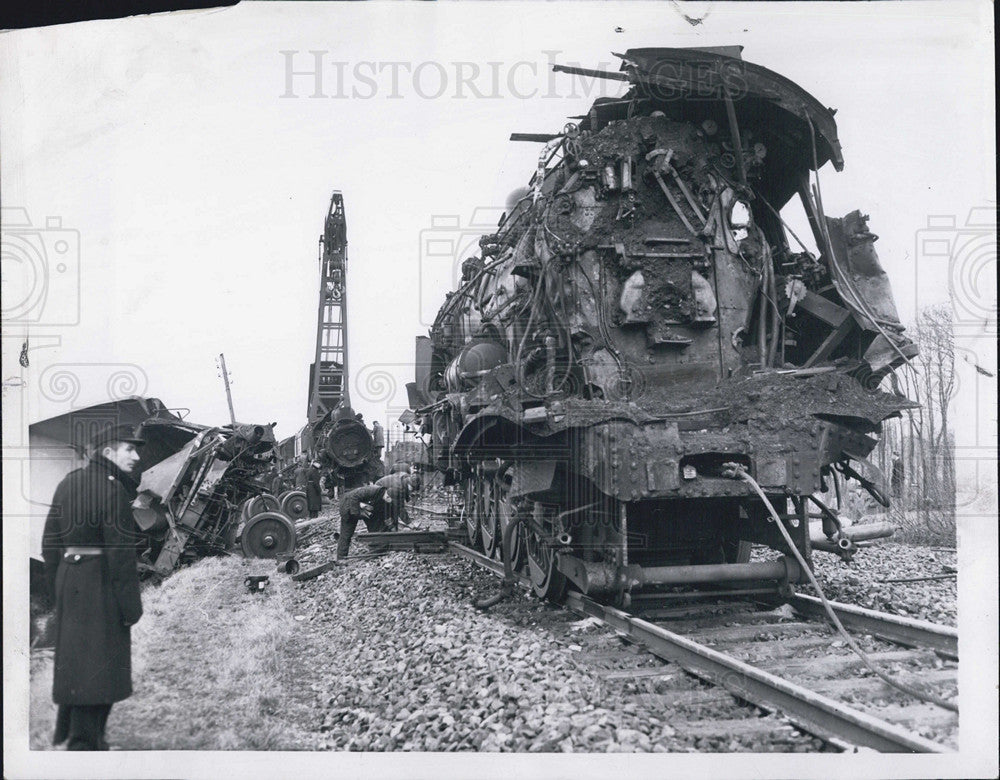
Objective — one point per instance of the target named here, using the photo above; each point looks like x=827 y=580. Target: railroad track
x=789 y=661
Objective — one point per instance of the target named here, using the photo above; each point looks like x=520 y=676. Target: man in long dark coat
x=89 y=547
x=314 y=491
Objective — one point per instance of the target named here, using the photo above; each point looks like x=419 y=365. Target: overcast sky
x=196 y=181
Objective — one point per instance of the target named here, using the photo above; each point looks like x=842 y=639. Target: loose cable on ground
x=736 y=471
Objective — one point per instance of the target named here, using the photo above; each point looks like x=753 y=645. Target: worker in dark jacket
x=368 y=503
x=314 y=491
x=398 y=489
x=89 y=547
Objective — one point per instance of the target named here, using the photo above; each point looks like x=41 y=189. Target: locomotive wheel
x=265 y=502
x=736 y=550
x=506 y=514
x=268 y=535
x=295 y=505
x=470 y=514
x=489 y=528
x=546 y=580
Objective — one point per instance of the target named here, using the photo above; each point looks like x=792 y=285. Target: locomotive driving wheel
x=470 y=512
x=489 y=527
x=268 y=535
x=546 y=580
x=507 y=513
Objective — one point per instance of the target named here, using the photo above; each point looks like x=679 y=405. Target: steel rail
x=493 y=565
x=401 y=537
x=896 y=628
x=810 y=711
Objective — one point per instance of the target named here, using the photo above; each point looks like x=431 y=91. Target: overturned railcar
x=189 y=503
x=643 y=321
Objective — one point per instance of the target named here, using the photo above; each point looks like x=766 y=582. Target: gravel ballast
x=389 y=654
x=864 y=582
x=414 y=666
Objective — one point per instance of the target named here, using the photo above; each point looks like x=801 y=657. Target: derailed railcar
x=190 y=503
x=644 y=326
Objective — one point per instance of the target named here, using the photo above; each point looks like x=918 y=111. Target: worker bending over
x=370 y=503
x=400 y=488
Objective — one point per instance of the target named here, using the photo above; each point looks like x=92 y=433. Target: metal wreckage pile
x=644 y=327
x=223 y=489
x=214 y=495
x=202 y=489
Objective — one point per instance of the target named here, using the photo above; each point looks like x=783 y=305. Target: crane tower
x=328 y=372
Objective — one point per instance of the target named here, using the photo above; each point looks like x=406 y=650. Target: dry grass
x=210 y=667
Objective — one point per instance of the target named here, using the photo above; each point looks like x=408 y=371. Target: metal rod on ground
x=314 y=572
x=947 y=576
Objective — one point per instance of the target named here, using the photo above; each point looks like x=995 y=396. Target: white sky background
x=199 y=193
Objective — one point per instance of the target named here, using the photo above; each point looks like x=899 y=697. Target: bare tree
x=920 y=447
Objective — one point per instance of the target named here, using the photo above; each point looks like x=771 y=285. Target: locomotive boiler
x=645 y=321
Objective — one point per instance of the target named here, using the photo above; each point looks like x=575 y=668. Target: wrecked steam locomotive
x=644 y=321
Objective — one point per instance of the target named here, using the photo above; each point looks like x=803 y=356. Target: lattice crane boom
x=328 y=372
